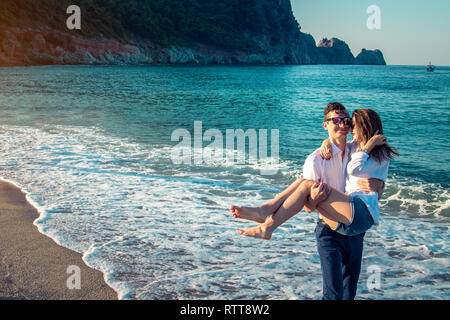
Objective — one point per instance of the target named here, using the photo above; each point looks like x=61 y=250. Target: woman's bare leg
x=260 y=214
x=336 y=208
x=293 y=204
x=331 y=222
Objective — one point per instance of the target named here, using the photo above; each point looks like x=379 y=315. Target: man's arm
x=310 y=172
x=371 y=185
x=309 y=206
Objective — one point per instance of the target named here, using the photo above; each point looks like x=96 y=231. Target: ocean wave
x=413 y=197
x=85 y=151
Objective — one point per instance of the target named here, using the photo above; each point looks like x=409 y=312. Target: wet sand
x=32 y=265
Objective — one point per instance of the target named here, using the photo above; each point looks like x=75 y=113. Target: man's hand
x=309 y=206
x=319 y=192
x=371 y=185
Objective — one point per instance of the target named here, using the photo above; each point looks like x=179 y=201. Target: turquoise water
x=92 y=146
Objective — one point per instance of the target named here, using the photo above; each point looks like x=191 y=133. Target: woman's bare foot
x=257 y=214
x=256 y=232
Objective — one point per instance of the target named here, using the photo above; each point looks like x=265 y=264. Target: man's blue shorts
x=361 y=219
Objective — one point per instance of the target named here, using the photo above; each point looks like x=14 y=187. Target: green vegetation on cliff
x=96 y=21
x=226 y=24
x=218 y=23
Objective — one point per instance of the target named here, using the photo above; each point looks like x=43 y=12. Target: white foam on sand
x=39 y=223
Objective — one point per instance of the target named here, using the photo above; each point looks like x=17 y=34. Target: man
x=340 y=256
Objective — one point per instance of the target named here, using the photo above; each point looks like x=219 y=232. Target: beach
x=33 y=266
x=93 y=150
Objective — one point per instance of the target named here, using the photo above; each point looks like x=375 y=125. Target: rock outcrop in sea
x=334 y=51
x=250 y=32
x=370 y=57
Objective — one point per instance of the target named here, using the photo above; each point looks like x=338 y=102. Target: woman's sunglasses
x=346 y=120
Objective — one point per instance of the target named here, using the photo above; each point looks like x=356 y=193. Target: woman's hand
x=376 y=140
x=325 y=149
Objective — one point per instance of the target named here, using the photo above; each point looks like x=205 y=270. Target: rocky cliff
x=370 y=57
x=161 y=32
x=336 y=51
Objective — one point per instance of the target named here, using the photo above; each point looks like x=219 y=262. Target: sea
x=98 y=151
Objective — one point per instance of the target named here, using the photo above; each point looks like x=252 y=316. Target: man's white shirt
x=333 y=172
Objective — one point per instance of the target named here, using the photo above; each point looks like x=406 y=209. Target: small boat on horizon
x=430 y=67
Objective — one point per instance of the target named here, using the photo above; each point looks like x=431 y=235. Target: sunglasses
x=346 y=120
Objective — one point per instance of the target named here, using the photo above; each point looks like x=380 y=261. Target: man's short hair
x=333 y=106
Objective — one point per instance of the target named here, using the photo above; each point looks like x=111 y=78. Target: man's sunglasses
x=346 y=120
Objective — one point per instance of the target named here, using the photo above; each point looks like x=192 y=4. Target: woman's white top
x=361 y=165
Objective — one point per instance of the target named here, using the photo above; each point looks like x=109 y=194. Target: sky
x=412 y=32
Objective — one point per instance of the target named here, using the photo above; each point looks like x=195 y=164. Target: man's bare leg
x=260 y=213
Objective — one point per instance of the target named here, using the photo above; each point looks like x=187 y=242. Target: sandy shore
x=33 y=266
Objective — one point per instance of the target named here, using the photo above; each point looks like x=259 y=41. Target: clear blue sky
x=413 y=32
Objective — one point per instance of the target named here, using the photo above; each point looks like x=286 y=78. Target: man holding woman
x=343 y=218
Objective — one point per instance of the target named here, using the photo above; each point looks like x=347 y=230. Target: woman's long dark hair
x=368 y=123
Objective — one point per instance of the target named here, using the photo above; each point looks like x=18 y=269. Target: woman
x=349 y=214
